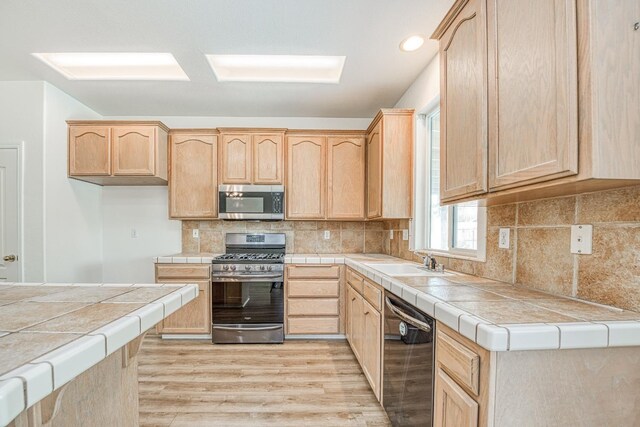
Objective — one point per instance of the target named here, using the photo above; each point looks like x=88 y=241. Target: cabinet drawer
x=182 y=271
x=372 y=294
x=355 y=279
x=313 y=325
x=313 y=288
x=313 y=307
x=460 y=362
x=313 y=271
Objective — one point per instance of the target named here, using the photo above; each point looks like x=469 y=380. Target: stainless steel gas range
x=247 y=289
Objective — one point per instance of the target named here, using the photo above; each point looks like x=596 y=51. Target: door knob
x=10 y=258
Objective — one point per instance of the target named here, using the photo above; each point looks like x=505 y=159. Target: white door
x=9 y=216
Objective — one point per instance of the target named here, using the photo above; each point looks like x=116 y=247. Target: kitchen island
x=68 y=352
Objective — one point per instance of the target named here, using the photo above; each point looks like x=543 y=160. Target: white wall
x=72 y=209
x=21 y=122
x=146 y=208
x=424 y=92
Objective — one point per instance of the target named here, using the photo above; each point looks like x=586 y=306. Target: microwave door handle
x=406 y=318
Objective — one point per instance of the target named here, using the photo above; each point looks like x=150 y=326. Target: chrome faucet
x=430 y=262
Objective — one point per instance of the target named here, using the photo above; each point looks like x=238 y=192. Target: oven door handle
x=238 y=277
x=406 y=318
x=259 y=328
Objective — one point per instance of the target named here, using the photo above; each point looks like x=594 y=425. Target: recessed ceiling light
x=114 y=66
x=277 y=68
x=412 y=43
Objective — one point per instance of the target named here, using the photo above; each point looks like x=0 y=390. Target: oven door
x=251 y=202
x=247 y=311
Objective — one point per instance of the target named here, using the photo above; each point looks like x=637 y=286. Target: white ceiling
x=368 y=32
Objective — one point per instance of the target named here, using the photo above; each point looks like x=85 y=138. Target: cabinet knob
x=10 y=258
x=636 y=26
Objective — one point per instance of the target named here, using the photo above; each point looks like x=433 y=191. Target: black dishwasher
x=408 y=364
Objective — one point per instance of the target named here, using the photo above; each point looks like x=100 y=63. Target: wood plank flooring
x=299 y=383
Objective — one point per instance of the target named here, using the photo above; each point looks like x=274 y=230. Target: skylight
x=277 y=68
x=114 y=66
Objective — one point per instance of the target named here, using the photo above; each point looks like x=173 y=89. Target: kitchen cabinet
x=314 y=302
x=193 y=175
x=561 y=88
x=389 y=164
x=306 y=181
x=364 y=328
x=117 y=153
x=345 y=178
x=453 y=407
x=463 y=104
x=195 y=317
x=250 y=156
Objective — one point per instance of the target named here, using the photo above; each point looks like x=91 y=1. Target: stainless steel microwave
x=251 y=202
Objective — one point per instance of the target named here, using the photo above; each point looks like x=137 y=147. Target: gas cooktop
x=263 y=258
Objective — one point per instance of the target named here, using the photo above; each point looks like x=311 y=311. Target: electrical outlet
x=391 y=234
x=195 y=233
x=405 y=234
x=581 y=239
x=134 y=233
x=327 y=234
x=503 y=239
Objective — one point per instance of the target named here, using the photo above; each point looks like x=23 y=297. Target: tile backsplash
x=539 y=255
x=302 y=236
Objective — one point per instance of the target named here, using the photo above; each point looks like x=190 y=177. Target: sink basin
x=404 y=270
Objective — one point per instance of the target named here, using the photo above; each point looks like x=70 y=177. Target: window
x=452 y=230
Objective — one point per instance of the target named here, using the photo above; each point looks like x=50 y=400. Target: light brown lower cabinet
x=586 y=387
x=364 y=329
x=314 y=302
x=195 y=317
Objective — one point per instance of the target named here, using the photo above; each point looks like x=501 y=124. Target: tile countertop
x=51 y=333
x=496 y=315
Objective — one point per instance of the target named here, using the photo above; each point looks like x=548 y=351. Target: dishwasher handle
x=406 y=318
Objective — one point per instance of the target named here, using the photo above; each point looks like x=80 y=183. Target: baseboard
x=186 y=337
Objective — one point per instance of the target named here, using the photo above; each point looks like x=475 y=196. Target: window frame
x=421 y=223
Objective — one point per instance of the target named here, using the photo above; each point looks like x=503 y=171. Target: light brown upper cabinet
x=306 y=185
x=389 y=164
x=533 y=89
x=561 y=83
x=251 y=156
x=118 y=153
x=193 y=175
x=268 y=158
x=463 y=112
x=345 y=177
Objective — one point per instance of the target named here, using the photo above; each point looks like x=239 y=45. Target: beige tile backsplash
x=539 y=256
x=302 y=236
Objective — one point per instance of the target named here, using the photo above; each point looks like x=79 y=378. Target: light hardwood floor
x=299 y=383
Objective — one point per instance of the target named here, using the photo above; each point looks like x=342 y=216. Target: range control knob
x=247 y=267
x=225 y=267
x=262 y=267
x=269 y=268
x=233 y=268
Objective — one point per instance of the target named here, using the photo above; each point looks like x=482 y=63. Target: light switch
x=503 y=238
x=134 y=233
x=391 y=234
x=581 y=239
x=405 y=234
x=196 y=233
x=327 y=234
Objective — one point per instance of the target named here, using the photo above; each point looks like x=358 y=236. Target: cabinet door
x=355 y=322
x=89 y=150
x=306 y=177
x=193 y=318
x=267 y=159
x=533 y=84
x=374 y=172
x=372 y=346
x=193 y=182
x=452 y=406
x=463 y=104
x=235 y=158
x=134 y=150
x=345 y=178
